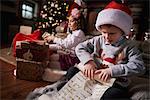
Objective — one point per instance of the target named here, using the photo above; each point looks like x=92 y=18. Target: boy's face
x=111 y=33
x=72 y=23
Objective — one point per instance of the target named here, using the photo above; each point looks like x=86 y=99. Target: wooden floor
x=12 y=88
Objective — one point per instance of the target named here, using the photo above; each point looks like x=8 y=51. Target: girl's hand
x=104 y=74
x=49 y=38
x=89 y=69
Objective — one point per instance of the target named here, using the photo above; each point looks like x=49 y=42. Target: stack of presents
x=32 y=55
x=32 y=58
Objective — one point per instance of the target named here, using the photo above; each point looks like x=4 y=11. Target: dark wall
x=11 y=20
x=143 y=21
x=7 y=19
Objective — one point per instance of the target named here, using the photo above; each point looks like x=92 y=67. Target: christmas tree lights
x=52 y=14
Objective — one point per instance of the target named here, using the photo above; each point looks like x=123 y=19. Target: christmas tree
x=52 y=14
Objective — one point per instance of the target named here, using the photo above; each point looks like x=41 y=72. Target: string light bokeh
x=52 y=14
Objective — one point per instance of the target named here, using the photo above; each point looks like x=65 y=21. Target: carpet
x=8 y=58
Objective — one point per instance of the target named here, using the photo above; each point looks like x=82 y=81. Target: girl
x=64 y=61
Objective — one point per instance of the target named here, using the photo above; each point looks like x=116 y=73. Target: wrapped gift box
x=34 y=51
x=31 y=71
x=32 y=58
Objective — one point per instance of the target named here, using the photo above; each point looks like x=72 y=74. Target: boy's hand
x=89 y=69
x=104 y=74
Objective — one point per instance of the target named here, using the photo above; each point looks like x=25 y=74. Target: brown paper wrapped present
x=32 y=58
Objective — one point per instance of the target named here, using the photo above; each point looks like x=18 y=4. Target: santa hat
x=115 y=14
x=80 y=3
x=76 y=4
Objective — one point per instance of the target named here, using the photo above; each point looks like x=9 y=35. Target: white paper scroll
x=82 y=88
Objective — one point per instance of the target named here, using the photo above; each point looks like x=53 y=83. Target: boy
x=114 y=22
x=119 y=56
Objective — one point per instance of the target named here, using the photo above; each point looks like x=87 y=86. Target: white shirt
x=72 y=40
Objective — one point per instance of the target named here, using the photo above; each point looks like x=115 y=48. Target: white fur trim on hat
x=114 y=17
x=80 y=3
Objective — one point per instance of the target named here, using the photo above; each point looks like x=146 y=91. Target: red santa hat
x=115 y=14
x=76 y=4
